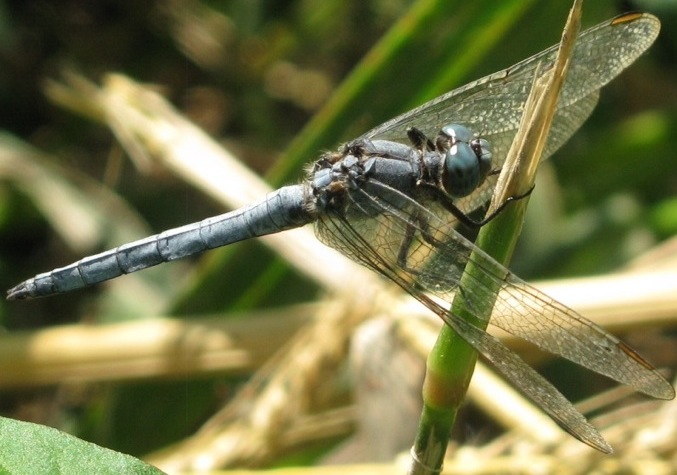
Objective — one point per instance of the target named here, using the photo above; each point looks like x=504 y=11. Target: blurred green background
x=253 y=74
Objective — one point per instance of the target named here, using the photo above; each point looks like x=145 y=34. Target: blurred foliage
x=253 y=73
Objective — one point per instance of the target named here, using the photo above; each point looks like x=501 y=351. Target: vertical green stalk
x=452 y=360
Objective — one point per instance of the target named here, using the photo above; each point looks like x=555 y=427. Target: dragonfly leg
x=510 y=199
x=421 y=226
x=449 y=205
x=405 y=247
x=419 y=139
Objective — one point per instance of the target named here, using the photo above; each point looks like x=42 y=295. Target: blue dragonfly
x=392 y=200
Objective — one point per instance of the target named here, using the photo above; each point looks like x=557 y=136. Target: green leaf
x=34 y=449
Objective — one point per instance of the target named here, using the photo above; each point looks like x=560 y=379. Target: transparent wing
x=492 y=106
x=400 y=239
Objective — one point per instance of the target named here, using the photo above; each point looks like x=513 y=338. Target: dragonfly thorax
x=363 y=169
x=466 y=160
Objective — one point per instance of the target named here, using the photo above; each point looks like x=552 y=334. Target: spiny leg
x=446 y=201
x=419 y=139
x=420 y=226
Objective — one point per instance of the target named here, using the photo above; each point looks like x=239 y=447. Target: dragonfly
x=394 y=198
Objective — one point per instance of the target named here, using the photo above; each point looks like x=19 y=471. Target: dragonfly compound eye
x=482 y=148
x=461 y=171
x=467 y=161
x=456 y=133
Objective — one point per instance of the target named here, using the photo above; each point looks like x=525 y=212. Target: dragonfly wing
x=530 y=383
x=403 y=240
x=492 y=106
x=364 y=244
x=522 y=309
x=531 y=315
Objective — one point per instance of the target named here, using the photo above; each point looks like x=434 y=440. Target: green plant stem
x=452 y=360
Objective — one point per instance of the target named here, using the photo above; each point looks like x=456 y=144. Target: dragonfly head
x=466 y=162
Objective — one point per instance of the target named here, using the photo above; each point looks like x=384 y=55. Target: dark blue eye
x=461 y=173
x=467 y=160
x=456 y=133
x=483 y=151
